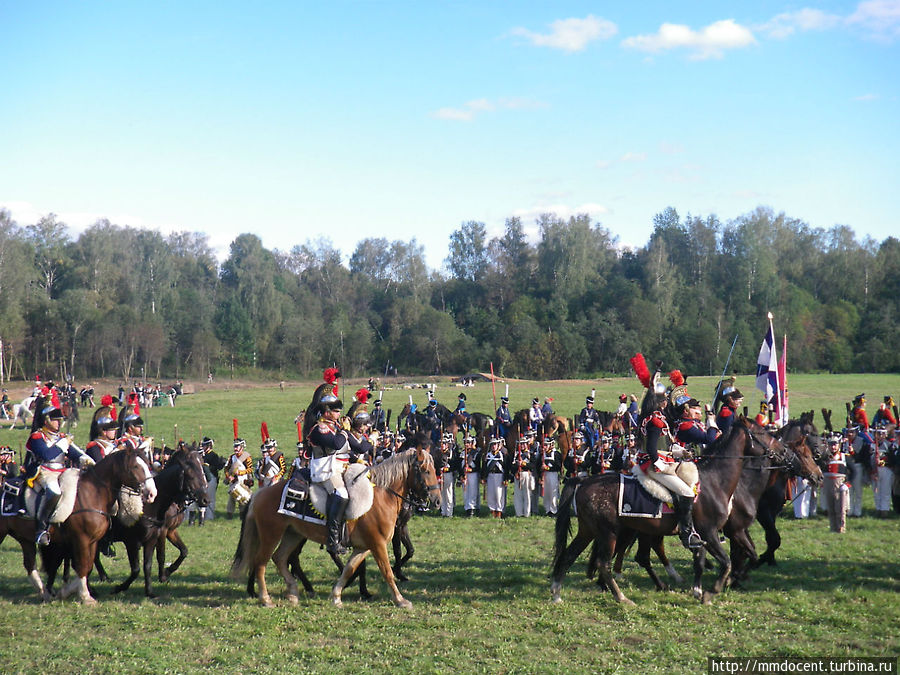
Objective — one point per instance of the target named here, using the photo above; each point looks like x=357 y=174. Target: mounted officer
x=104 y=427
x=732 y=399
x=378 y=421
x=657 y=462
x=47 y=453
x=330 y=456
x=590 y=422
x=359 y=436
x=504 y=418
x=535 y=415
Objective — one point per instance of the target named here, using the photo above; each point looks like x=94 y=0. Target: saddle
x=642 y=497
x=304 y=500
x=14 y=488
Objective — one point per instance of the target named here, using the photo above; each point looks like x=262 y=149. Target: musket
x=725 y=369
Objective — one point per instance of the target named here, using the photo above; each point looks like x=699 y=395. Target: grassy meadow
x=479 y=586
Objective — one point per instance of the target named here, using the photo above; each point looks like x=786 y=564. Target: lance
x=725 y=369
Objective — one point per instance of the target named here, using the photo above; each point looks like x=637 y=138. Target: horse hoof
x=90 y=602
x=404 y=604
x=151 y=596
x=310 y=593
x=698 y=594
x=164 y=579
x=336 y=601
x=294 y=600
x=267 y=602
x=627 y=601
x=556 y=600
x=707 y=598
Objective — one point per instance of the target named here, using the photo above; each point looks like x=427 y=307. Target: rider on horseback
x=47 y=451
x=660 y=465
x=330 y=457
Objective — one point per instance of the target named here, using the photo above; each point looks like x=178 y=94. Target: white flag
x=767 y=373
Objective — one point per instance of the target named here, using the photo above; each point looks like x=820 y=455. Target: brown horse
x=409 y=472
x=98 y=490
x=595 y=499
x=180 y=481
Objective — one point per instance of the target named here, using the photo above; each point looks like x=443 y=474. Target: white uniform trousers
x=448 y=493
x=211 y=494
x=801 y=495
x=496 y=495
x=551 y=491
x=883 y=488
x=473 y=491
x=522 y=492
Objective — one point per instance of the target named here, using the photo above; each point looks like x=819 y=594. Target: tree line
x=124 y=302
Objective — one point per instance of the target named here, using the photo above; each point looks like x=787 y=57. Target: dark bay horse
x=775 y=495
x=98 y=490
x=595 y=498
x=797 y=461
x=410 y=472
x=180 y=481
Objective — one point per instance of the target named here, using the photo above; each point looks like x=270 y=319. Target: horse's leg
x=269 y=538
x=623 y=542
x=642 y=557
x=297 y=571
x=355 y=559
x=101 y=571
x=83 y=560
x=177 y=542
x=132 y=547
x=160 y=549
x=29 y=562
x=403 y=535
x=573 y=550
x=381 y=558
x=149 y=548
x=359 y=573
x=285 y=549
x=660 y=547
x=716 y=551
x=396 y=543
x=607 y=544
x=766 y=516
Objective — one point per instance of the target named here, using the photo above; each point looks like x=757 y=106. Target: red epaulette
x=37 y=434
x=657 y=420
x=685 y=425
x=726 y=411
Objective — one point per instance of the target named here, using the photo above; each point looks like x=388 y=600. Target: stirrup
x=693 y=541
x=336 y=549
x=43 y=538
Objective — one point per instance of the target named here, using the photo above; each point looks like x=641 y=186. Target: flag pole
x=493 y=385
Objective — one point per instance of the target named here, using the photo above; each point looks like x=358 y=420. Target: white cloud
x=570 y=35
x=879 y=18
x=470 y=109
x=706 y=43
x=633 y=157
x=531 y=214
x=668 y=148
x=806 y=19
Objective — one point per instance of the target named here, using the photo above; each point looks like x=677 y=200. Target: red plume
x=54 y=399
x=331 y=375
x=300 y=431
x=106 y=400
x=112 y=411
x=362 y=395
x=264 y=432
x=676 y=378
x=234 y=424
x=639 y=365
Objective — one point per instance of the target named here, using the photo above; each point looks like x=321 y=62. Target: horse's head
x=193 y=484
x=137 y=474
x=801 y=462
x=425 y=487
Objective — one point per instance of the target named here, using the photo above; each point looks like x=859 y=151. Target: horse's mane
x=605 y=417
x=722 y=443
x=396 y=466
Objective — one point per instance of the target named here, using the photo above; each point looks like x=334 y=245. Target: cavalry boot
x=335 y=507
x=689 y=536
x=106 y=546
x=45 y=508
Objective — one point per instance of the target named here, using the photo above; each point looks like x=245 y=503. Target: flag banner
x=782 y=382
x=767 y=372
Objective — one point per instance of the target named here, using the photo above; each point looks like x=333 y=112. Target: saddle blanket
x=9 y=498
x=304 y=500
x=635 y=501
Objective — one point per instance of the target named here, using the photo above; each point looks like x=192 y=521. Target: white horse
x=23 y=411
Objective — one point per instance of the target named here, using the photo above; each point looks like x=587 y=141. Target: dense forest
x=125 y=302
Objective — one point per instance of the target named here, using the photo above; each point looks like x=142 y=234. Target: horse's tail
x=248 y=543
x=564 y=520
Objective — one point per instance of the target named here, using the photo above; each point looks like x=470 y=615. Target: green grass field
x=479 y=586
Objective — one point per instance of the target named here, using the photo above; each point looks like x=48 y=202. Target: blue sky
x=298 y=120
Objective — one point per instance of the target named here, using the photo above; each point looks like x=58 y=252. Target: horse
x=773 y=499
x=754 y=482
x=409 y=472
x=181 y=480
x=20 y=412
x=595 y=498
x=98 y=490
